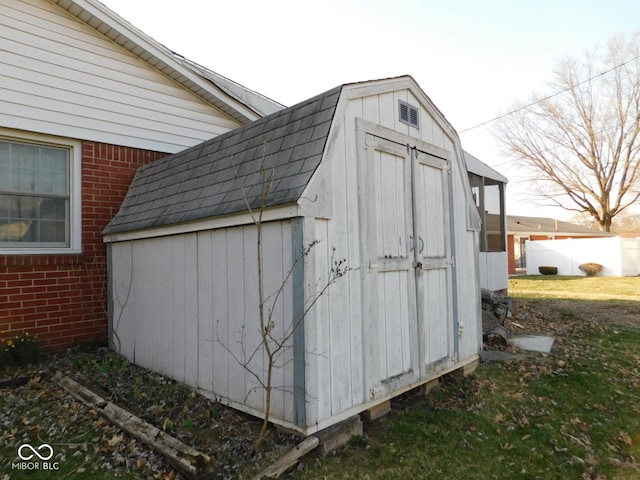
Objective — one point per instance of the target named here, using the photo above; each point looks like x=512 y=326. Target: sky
x=473 y=58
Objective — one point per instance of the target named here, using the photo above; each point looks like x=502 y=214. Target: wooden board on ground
x=181 y=456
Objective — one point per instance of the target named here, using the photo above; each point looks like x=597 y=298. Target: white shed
x=371 y=171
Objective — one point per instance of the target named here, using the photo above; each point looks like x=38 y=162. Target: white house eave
x=262 y=104
x=284 y=212
x=95 y=14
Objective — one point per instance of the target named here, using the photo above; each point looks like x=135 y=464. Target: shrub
x=546 y=270
x=590 y=269
x=19 y=350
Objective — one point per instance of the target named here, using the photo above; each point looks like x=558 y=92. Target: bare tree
x=273 y=341
x=580 y=147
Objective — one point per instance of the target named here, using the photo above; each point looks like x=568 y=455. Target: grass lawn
x=569 y=415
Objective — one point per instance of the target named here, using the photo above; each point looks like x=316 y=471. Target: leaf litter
x=42 y=412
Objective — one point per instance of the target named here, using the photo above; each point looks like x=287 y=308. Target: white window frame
x=75 y=191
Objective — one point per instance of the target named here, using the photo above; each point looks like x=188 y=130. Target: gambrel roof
x=240 y=103
x=224 y=175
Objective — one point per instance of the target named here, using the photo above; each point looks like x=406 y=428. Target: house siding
x=62 y=298
x=62 y=77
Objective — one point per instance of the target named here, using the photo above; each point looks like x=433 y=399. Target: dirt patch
x=548 y=315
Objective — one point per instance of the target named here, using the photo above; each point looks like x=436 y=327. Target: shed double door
x=407 y=254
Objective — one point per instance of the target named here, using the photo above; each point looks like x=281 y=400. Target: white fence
x=620 y=257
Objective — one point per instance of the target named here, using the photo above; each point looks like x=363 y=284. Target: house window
x=409 y=114
x=39 y=195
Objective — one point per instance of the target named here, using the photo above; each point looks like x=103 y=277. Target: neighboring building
x=370 y=171
x=85 y=100
x=520 y=229
x=488 y=187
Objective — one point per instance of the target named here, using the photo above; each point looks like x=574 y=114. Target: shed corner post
x=453 y=238
x=298 y=298
x=109 y=279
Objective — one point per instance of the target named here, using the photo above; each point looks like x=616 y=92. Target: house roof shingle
x=519 y=224
x=222 y=175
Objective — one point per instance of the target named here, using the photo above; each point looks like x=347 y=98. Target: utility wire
x=549 y=96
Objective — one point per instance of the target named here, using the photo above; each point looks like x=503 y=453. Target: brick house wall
x=63 y=298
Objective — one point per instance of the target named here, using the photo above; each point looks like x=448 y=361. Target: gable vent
x=409 y=114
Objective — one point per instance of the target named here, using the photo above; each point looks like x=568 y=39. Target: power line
x=549 y=96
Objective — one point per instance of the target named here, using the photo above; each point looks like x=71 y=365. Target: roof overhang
x=114 y=27
x=284 y=212
x=478 y=167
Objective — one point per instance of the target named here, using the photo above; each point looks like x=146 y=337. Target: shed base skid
x=426 y=388
x=378 y=411
x=468 y=369
x=339 y=434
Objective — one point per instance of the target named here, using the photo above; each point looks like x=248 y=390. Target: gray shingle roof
x=544 y=225
x=219 y=176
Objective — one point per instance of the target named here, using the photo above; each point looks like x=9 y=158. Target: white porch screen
x=34 y=195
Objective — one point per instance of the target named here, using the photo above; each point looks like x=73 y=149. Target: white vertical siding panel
x=148 y=309
x=287 y=411
x=235 y=300
x=206 y=338
x=253 y=352
x=352 y=240
x=277 y=289
x=163 y=321
x=395 y=354
x=175 y=338
x=275 y=270
x=320 y=343
x=218 y=310
x=469 y=295
x=387 y=104
x=61 y=77
x=370 y=108
x=123 y=298
x=186 y=252
x=438 y=333
x=343 y=234
x=493 y=271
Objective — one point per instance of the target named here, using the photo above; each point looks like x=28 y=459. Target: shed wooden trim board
x=235 y=220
